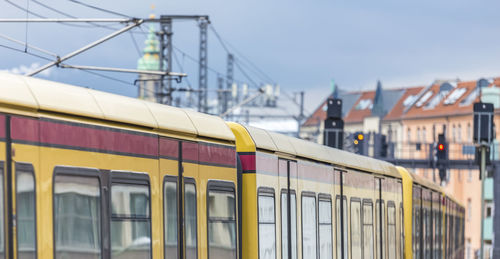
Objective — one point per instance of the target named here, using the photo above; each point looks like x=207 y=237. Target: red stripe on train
x=52 y=133
x=169 y=148
x=24 y=129
x=190 y=151
x=247 y=162
x=217 y=155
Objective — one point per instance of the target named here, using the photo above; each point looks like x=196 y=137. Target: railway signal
x=484 y=134
x=334 y=125
x=442 y=156
x=380 y=146
x=359 y=143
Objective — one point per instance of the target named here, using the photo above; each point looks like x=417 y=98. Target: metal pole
x=220 y=95
x=125 y=70
x=28 y=45
x=249 y=99
x=229 y=81
x=169 y=60
x=89 y=46
x=483 y=176
x=66 y=20
x=203 y=69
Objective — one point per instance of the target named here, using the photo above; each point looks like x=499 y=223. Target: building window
x=469 y=133
x=454 y=134
x=459 y=133
x=418 y=135
x=469 y=209
x=408 y=136
x=424 y=135
x=468 y=250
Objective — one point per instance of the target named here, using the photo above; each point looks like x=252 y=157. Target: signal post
x=483 y=136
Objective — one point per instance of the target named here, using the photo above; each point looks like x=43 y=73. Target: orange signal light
x=361 y=137
x=440 y=147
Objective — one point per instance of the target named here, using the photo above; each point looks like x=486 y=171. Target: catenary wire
x=101 y=9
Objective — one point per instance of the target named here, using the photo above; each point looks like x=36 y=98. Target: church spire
x=378 y=101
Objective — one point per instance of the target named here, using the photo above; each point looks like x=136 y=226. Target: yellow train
x=86 y=174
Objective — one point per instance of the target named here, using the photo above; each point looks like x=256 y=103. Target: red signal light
x=440 y=147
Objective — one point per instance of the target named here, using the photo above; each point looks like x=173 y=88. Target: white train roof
x=40 y=95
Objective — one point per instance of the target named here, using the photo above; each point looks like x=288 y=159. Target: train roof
x=38 y=95
x=275 y=142
x=425 y=182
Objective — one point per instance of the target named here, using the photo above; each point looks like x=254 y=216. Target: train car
x=87 y=174
x=303 y=200
x=433 y=220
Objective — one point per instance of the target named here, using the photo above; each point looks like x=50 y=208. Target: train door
x=380 y=222
x=18 y=179
x=288 y=207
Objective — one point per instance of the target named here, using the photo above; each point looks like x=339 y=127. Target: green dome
x=151 y=53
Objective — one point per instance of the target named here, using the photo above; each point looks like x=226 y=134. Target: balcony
x=488 y=228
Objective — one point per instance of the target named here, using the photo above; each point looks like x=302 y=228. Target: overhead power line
x=25 y=52
x=100 y=9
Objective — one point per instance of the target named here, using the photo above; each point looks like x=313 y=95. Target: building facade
x=412 y=118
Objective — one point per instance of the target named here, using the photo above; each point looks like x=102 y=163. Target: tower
x=149 y=85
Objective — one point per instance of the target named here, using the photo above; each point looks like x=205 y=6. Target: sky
x=300 y=45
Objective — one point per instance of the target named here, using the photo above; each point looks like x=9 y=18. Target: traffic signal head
x=441 y=150
x=360 y=136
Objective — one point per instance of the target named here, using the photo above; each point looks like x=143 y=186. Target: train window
x=391 y=230
x=190 y=215
x=170 y=216
x=416 y=231
x=429 y=233
x=367 y=229
x=267 y=224
x=2 y=241
x=130 y=220
x=77 y=214
x=402 y=231
x=25 y=211
x=308 y=225
x=356 y=248
x=380 y=234
x=325 y=228
x=339 y=226
x=293 y=225
x=221 y=220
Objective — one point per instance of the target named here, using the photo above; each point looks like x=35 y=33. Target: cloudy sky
x=302 y=45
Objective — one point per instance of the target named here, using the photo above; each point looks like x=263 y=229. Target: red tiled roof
x=355 y=115
x=318 y=116
x=442 y=109
x=398 y=109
